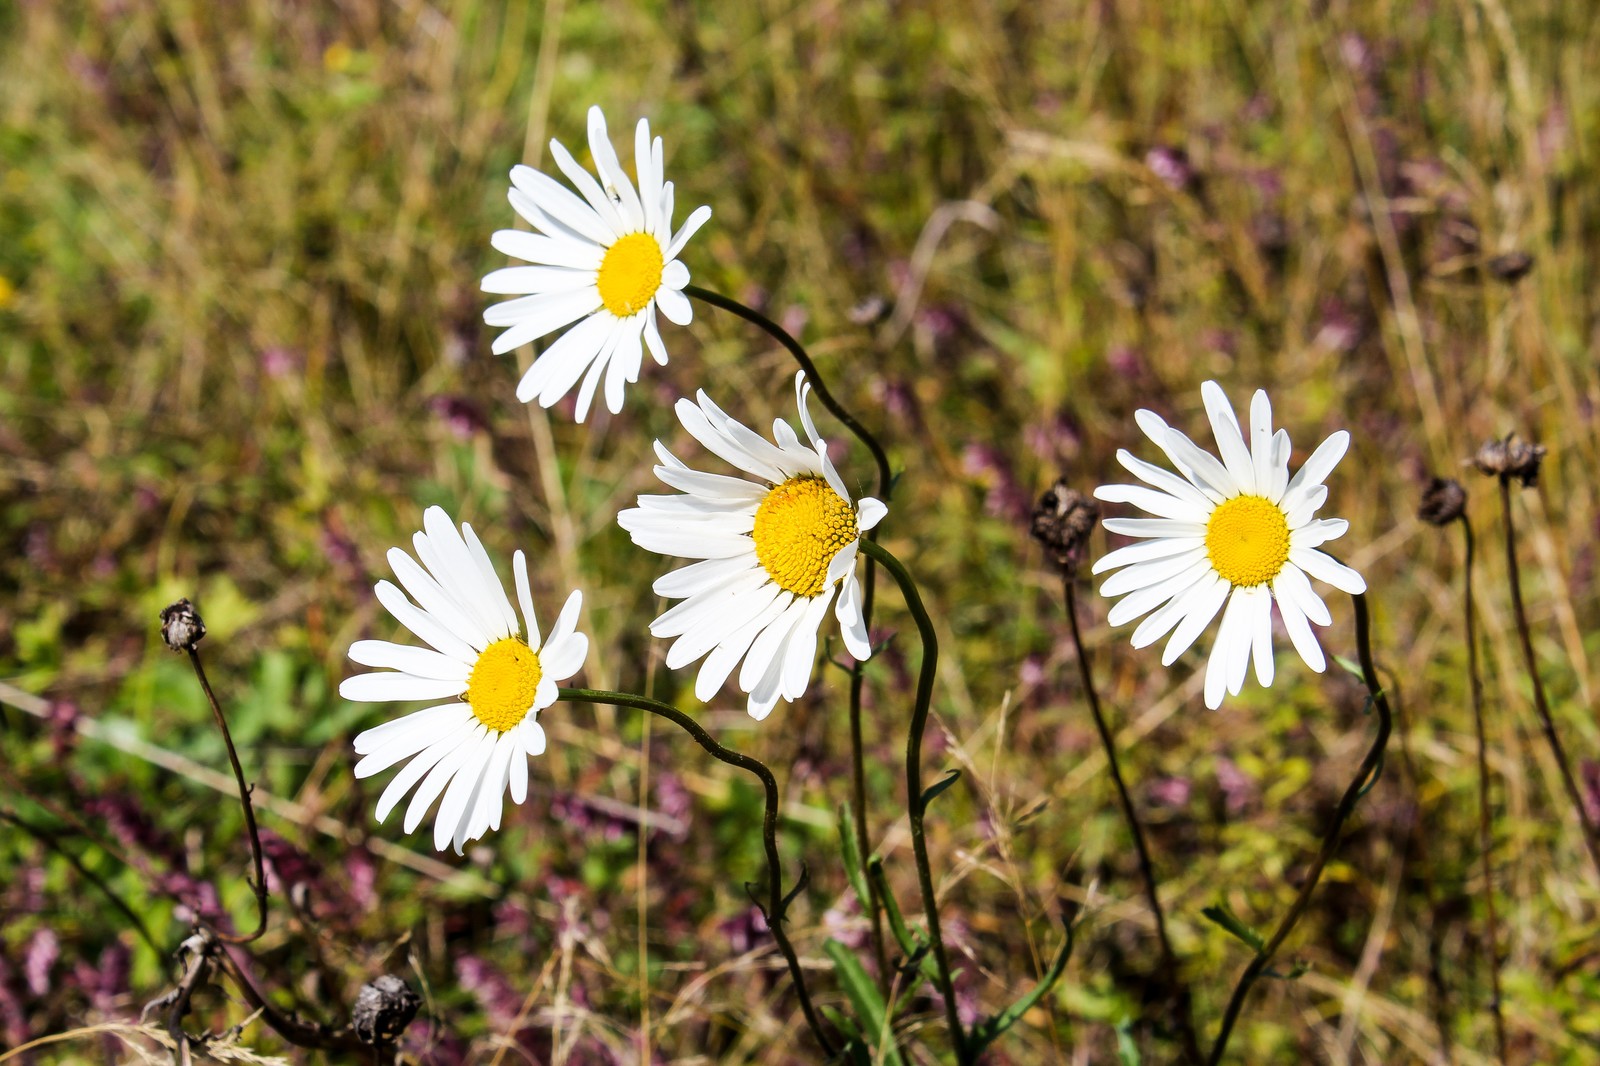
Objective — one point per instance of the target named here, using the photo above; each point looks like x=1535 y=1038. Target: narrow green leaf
x=1222 y=915
x=1352 y=666
x=933 y=790
x=852 y=854
x=1127 y=1050
x=897 y=921
x=985 y=1033
x=862 y=992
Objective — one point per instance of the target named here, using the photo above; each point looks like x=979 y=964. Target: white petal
x=584 y=182
x=1326 y=568
x=1148 y=599
x=771 y=640
x=453 y=808
x=493 y=587
x=1321 y=463
x=517 y=770
x=481 y=593
x=436 y=600
x=441 y=774
x=519 y=568
x=1261 y=634
x=730 y=615
x=548 y=691
x=559 y=203
x=801 y=654
x=697 y=218
x=1230 y=441
x=580 y=255
x=390 y=686
x=1157 y=503
x=533 y=739
x=561 y=659
x=698 y=577
x=1315 y=534
x=1146 y=550
x=612 y=176
x=566 y=359
x=1293 y=584
x=1165 y=480
x=542 y=282
x=725 y=656
x=1261 y=452
x=1304 y=504
x=1146 y=574
x=419 y=662
x=424 y=729
x=1152 y=527
x=422 y=624
x=652 y=340
x=370 y=740
x=556 y=387
x=852 y=623
x=567 y=620
x=1198 y=466
x=1229 y=634
x=414 y=770
x=1204 y=599
x=675 y=305
x=1299 y=629
x=869 y=512
x=675 y=275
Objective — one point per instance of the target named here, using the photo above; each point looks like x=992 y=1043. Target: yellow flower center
x=503 y=683
x=630 y=274
x=800 y=527
x=1247 y=539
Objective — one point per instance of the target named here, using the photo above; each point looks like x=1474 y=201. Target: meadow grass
x=241 y=347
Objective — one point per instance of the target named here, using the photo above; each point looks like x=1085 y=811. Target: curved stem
x=796 y=349
x=1485 y=813
x=914 y=801
x=260 y=882
x=1169 y=958
x=869 y=582
x=777 y=902
x=1364 y=780
x=1591 y=836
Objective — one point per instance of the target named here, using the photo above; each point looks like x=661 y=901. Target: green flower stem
x=1485 y=812
x=796 y=349
x=919 y=842
x=1591 y=835
x=777 y=903
x=1169 y=958
x=858 y=777
x=1363 y=781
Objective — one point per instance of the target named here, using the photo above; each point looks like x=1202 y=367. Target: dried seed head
x=1443 y=501
x=1510 y=459
x=384 y=1007
x=1511 y=267
x=181 y=626
x=1062 y=522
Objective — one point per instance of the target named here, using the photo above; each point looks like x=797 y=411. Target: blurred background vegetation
x=241 y=349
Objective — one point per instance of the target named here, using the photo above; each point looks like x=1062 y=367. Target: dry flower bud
x=1510 y=459
x=384 y=1007
x=1511 y=267
x=181 y=626
x=1443 y=501
x=1062 y=522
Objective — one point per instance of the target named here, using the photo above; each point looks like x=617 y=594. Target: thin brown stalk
x=259 y=884
x=1182 y=1000
x=1591 y=836
x=1485 y=813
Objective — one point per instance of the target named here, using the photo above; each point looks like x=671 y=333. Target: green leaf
x=852 y=855
x=862 y=993
x=985 y=1033
x=1352 y=666
x=1127 y=1050
x=1222 y=915
x=933 y=790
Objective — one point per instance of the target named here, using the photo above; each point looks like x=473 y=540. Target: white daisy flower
x=470 y=749
x=774 y=551
x=608 y=259
x=1239 y=531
